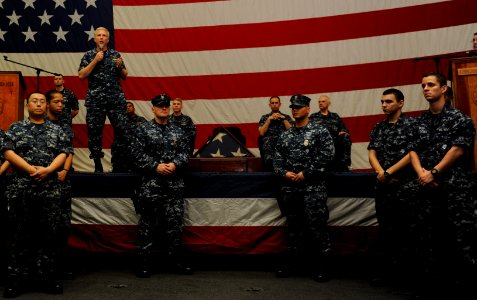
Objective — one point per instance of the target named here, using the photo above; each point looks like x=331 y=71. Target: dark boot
x=321 y=270
x=182 y=268
x=98 y=166
x=320 y=275
x=14 y=286
x=143 y=267
x=12 y=290
x=285 y=266
x=51 y=287
x=179 y=263
x=283 y=271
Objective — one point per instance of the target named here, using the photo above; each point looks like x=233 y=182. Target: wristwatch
x=434 y=172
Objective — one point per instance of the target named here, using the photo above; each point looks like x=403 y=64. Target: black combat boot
x=285 y=266
x=182 y=268
x=50 y=286
x=179 y=263
x=12 y=290
x=143 y=267
x=321 y=270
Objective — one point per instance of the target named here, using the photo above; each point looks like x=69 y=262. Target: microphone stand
x=38 y=70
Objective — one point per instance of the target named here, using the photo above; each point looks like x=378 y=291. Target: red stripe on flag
x=81 y=136
x=264 y=84
x=103 y=238
x=292 y=32
x=205 y=239
x=234 y=239
x=218 y=239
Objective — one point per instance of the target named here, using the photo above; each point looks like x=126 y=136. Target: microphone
x=101 y=46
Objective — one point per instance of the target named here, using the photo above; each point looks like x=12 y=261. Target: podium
x=12 y=88
x=464 y=74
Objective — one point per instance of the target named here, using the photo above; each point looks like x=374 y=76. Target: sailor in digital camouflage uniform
x=302 y=153
x=70 y=101
x=36 y=149
x=400 y=218
x=341 y=139
x=4 y=165
x=183 y=121
x=55 y=106
x=104 y=67
x=270 y=127
x=161 y=151
x=120 y=158
x=444 y=171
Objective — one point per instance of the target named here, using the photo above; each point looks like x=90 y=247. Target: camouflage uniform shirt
x=306 y=149
x=335 y=125
x=155 y=144
x=270 y=137
x=70 y=102
x=449 y=128
x=392 y=141
x=37 y=144
x=185 y=122
x=104 y=81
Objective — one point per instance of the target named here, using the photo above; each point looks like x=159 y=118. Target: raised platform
x=225 y=213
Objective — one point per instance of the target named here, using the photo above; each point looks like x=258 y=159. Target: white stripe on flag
x=222 y=212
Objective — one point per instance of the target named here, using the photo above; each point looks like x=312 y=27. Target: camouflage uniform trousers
x=342 y=158
x=268 y=150
x=65 y=206
x=3 y=224
x=307 y=216
x=95 y=119
x=404 y=225
x=454 y=221
x=35 y=213
x=120 y=160
x=161 y=205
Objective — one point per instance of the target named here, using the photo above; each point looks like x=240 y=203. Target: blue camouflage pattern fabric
x=270 y=138
x=403 y=221
x=333 y=122
x=65 y=126
x=66 y=211
x=392 y=141
x=452 y=202
x=307 y=149
x=70 y=102
x=2 y=138
x=3 y=202
x=120 y=158
x=104 y=97
x=160 y=200
x=185 y=122
x=35 y=207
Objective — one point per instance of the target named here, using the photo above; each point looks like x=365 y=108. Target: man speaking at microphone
x=104 y=68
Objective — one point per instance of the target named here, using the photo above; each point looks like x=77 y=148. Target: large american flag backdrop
x=225 y=58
